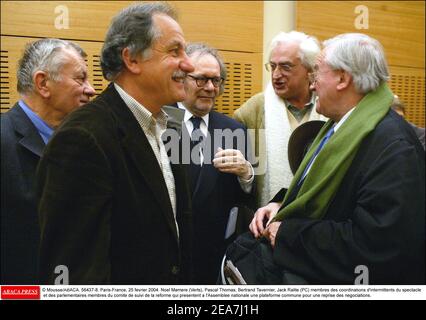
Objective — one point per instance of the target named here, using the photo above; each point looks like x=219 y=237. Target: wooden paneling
x=242 y=68
x=409 y=85
x=227 y=25
x=243 y=71
x=398 y=25
x=233 y=27
x=400 y=28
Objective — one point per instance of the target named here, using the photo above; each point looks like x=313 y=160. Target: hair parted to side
x=43 y=55
x=131 y=28
x=309 y=46
x=361 y=56
x=202 y=49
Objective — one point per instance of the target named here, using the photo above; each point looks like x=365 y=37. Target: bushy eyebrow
x=281 y=62
x=175 y=43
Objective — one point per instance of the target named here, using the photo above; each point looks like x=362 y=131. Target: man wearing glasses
x=221 y=177
x=355 y=211
x=275 y=113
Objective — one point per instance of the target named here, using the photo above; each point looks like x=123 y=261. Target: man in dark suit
x=355 y=211
x=221 y=177
x=399 y=107
x=113 y=210
x=52 y=82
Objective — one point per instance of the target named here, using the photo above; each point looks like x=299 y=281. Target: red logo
x=20 y=292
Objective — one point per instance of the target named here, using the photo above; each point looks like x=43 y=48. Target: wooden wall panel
x=244 y=80
x=409 y=85
x=242 y=68
x=227 y=25
x=234 y=27
x=398 y=25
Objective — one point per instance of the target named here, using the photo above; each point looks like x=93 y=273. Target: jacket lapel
x=136 y=144
x=31 y=139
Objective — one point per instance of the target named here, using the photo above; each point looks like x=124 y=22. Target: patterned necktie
x=317 y=151
x=196 y=148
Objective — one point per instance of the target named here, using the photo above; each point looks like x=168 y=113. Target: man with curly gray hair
x=113 y=209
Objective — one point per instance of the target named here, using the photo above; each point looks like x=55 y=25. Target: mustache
x=179 y=74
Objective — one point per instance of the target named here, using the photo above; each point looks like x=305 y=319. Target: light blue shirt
x=42 y=127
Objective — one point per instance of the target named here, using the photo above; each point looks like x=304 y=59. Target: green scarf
x=331 y=164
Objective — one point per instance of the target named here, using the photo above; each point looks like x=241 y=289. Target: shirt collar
x=188 y=115
x=142 y=114
x=344 y=118
x=307 y=106
x=42 y=127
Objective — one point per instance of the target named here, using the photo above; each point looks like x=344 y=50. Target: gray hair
x=309 y=46
x=203 y=49
x=361 y=56
x=132 y=28
x=398 y=105
x=43 y=55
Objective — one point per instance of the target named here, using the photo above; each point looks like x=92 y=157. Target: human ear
x=345 y=79
x=40 y=79
x=133 y=64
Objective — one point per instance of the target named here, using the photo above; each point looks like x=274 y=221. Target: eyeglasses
x=282 y=67
x=202 y=81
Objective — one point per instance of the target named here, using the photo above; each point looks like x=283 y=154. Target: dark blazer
x=214 y=196
x=377 y=217
x=104 y=208
x=21 y=148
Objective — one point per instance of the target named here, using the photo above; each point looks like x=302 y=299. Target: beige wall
x=277 y=16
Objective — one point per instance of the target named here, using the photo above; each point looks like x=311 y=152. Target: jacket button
x=175 y=270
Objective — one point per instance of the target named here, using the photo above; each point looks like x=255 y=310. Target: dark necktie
x=321 y=145
x=196 y=146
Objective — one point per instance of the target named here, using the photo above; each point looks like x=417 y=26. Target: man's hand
x=267 y=212
x=232 y=161
x=271 y=232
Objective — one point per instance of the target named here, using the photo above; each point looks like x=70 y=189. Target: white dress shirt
x=154 y=127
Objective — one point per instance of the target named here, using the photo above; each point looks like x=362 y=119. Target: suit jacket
x=377 y=217
x=214 y=195
x=104 y=208
x=420 y=132
x=21 y=148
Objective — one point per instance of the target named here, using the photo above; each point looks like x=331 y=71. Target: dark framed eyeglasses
x=282 y=67
x=202 y=81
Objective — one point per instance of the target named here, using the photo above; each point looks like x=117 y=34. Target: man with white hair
x=275 y=113
x=355 y=210
x=52 y=82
